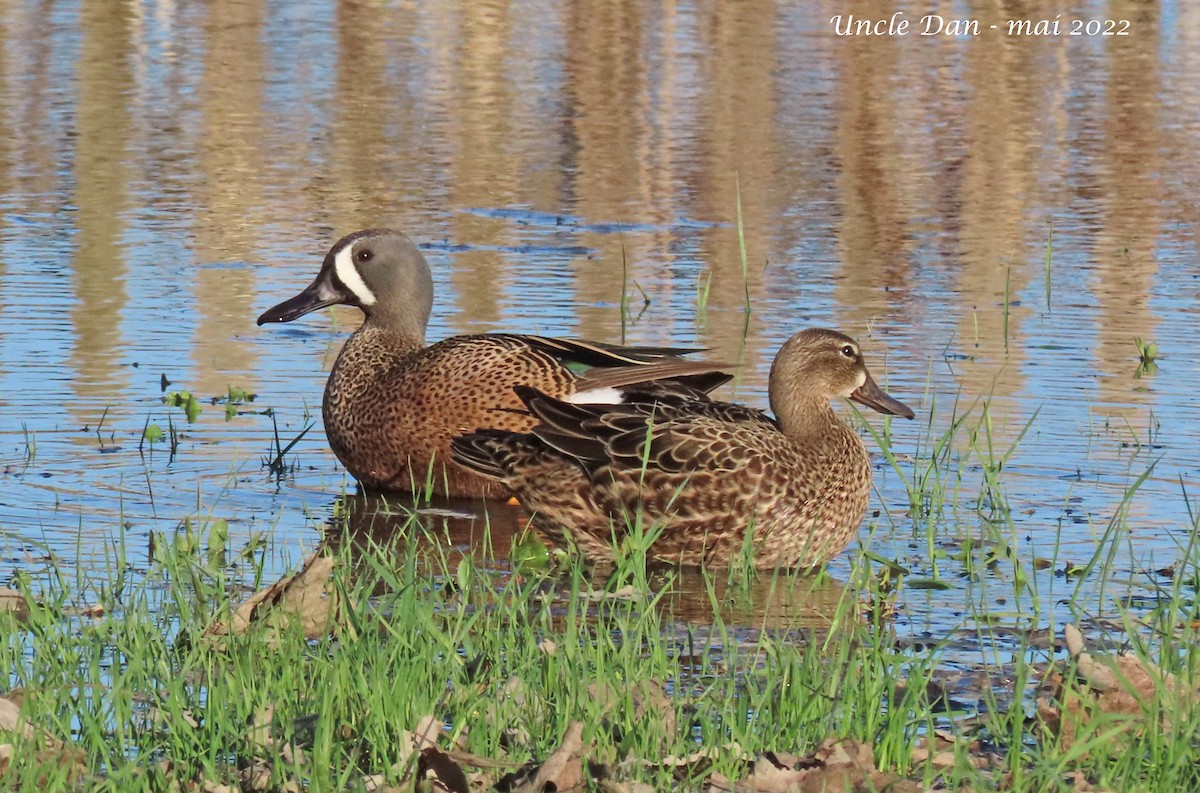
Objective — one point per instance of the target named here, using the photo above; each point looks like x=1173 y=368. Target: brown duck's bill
x=319 y=294
x=875 y=398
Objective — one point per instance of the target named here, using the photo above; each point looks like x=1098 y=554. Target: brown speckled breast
x=391 y=408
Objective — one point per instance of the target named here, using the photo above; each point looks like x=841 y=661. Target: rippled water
x=995 y=218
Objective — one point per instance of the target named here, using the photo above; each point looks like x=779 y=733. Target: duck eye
x=848 y=351
x=363 y=255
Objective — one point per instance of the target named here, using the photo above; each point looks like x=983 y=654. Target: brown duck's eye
x=363 y=255
x=848 y=351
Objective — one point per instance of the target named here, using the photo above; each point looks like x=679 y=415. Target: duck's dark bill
x=875 y=398
x=319 y=294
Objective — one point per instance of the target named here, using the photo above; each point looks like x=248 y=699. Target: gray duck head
x=377 y=270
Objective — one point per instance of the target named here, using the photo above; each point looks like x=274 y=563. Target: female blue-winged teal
x=702 y=473
x=392 y=404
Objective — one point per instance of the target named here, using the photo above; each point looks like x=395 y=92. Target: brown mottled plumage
x=392 y=404
x=702 y=473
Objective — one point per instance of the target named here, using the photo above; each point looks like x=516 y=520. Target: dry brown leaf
x=837 y=765
x=940 y=751
x=305 y=595
x=50 y=752
x=731 y=750
x=481 y=781
x=214 y=787
x=258 y=732
x=163 y=718
x=650 y=701
x=769 y=776
x=445 y=770
x=1124 y=671
x=293 y=755
x=627 y=592
x=429 y=728
x=1120 y=685
x=477 y=761
x=425 y=736
x=515 y=697
x=255 y=776
x=13 y=602
x=563 y=768
x=11 y=722
x=610 y=786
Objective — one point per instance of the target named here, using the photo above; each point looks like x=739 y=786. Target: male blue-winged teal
x=392 y=404
x=702 y=473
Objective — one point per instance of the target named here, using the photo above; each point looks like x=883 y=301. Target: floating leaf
x=235 y=394
x=152 y=433
x=927 y=583
x=185 y=400
x=891 y=564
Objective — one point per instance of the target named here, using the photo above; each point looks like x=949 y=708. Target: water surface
x=996 y=219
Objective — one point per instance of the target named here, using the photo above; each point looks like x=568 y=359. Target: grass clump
x=379 y=664
x=140 y=691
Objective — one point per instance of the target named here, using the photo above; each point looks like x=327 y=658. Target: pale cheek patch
x=596 y=396
x=859 y=383
x=347 y=273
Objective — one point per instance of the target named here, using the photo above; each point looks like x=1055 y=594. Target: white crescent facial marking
x=347 y=273
x=596 y=396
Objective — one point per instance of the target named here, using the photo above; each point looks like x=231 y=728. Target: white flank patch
x=596 y=396
x=347 y=273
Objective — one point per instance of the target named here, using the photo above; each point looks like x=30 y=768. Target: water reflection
x=444 y=532
x=101 y=195
x=167 y=171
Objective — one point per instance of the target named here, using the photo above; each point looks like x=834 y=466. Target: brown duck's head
x=820 y=365
x=380 y=271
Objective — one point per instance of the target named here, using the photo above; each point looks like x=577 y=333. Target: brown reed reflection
x=101 y=195
x=231 y=153
x=1130 y=197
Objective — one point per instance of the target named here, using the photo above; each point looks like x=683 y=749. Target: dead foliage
x=36 y=746
x=1120 y=691
x=562 y=770
x=837 y=765
x=650 y=703
x=943 y=749
x=12 y=723
x=305 y=596
x=842 y=765
x=14 y=603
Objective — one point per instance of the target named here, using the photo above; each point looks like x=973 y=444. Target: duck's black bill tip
x=314 y=297
x=876 y=398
